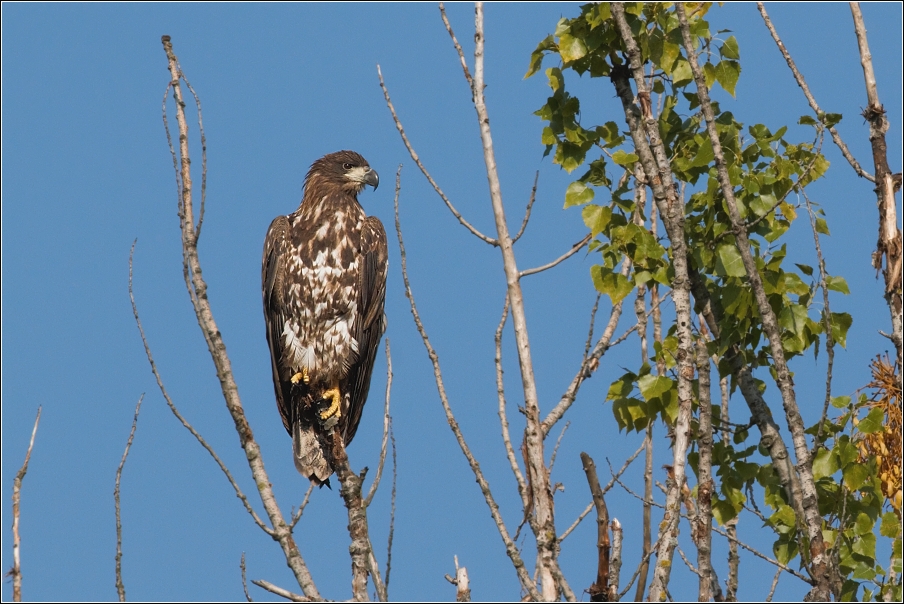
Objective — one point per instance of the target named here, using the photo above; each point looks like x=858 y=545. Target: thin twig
x=810 y=99
x=461 y=54
x=279 y=591
x=827 y=322
x=417 y=160
x=175 y=410
x=120 y=587
x=643 y=562
x=203 y=159
x=304 y=503
x=386 y=421
x=771 y=593
x=245 y=580
x=574 y=250
x=530 y=205
x=16 y=570
x=552 y=458
x=526 y=582
x=392 y=510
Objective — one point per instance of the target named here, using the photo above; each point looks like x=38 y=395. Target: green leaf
x=806 y=120
x=830 y=119
x=855 y=475
x=612 y=284
x=577 y=194
x=571 y=48
x=841 y=322
x=824 y=464
x=863 y=524
x=793 y=318
x=621 y=387
x=873 y=422
x=822 y=226
x=624 y=159
x=723 y=511
x=727 y=74
x=785 y=551
x=654 y=386
x=536 y=57
x=840 y=402
x=728 y=261
x=865 y=545
x=682 y=73
x=807 y=270
x=630 y=413
x=730 y=49
x=596 y=218
x=890 y=526
x=837 y=284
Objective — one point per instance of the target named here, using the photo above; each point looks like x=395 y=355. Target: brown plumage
x=324 y=285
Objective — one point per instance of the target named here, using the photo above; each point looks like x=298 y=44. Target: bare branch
x=701 y=525
x=555 y=449
x=530 y=205
x=890 y=243
x=203 y=159
x=574 y=250
x=392 y=511
x=386 y=422
x=771 y=593
x=599 y=590
x=503 y=417
x=734 y=561
x=461 y=54
x=810 y=99
x=16 y=570
x=827 y=322
x=602 y=345
x=279 y=591
x=417 y=160
x=175 y=410
x=462 y=583
x=608 y=486
x=244 y=580
x=213 y=336
x=616 y=562
x=304 y=503
x=526 y=582
x=120 y=587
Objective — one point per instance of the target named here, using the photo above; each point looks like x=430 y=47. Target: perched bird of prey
x=324 y=285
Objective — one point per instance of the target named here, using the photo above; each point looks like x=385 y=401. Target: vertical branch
x=887 y=184
x=503 y=416
x=361 y=550
x=16 y=570
x=392 y=511
x=819 y=562
x=599 y=591
x=387 y=420
x=703 y=522
x=120 y=588
x=734 y=561
x=655 y=162
x=615 y=561
x=533 y=436
x=212 y=335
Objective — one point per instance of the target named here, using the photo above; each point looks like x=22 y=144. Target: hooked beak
x=372 y=178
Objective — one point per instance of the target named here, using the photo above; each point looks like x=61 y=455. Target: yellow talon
x=301 y=376
x=334 y=396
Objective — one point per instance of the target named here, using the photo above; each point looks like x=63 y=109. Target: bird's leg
x=301 y=376
x=334 y=396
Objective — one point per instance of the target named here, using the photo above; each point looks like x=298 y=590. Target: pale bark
x=120 y=586
x=658 y=173
x=16 y=571
x=818 y=562
x=702 y=523
x=890 y=244
x=198 y=294
x=599 y=590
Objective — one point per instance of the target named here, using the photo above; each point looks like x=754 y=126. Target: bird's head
x=345 y=169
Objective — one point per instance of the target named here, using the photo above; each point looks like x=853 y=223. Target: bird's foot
x=301 y=376
x=334 y=397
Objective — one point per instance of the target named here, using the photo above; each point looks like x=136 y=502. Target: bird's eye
x=346 y=166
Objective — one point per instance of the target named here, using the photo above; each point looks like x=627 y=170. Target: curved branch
x=120 y=587
x=386 y=421
x=574 y=250
x=530 y=205
x=417 y=160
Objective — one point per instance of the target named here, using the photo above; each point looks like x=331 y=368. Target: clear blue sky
x=86 y=170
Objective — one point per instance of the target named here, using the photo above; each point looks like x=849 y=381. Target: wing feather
x=371 y=322
x=273 y=283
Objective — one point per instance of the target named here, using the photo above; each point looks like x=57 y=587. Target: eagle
x=324 y=286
